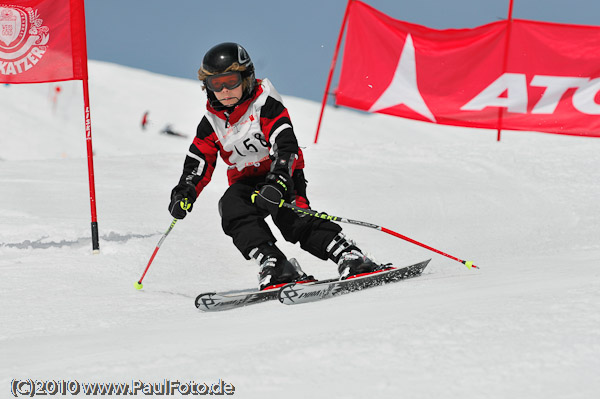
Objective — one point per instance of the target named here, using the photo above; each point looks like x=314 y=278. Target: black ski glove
x=183 y=196
x=271 y=195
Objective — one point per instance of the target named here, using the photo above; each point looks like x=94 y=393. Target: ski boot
x=277 y=272
x=349 y=258
x=353 y=262
x=275 y=269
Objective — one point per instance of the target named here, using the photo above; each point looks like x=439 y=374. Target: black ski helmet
x=222 y=56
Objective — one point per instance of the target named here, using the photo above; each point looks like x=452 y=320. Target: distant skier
x=144 y=120
x=168 y=129
x=55 y=94
x=248 y=126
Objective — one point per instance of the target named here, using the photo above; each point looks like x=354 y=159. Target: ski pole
x=322 y=215
x=139 y=284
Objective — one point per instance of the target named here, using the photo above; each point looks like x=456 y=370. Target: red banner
x=517 y=74
x=42 y=41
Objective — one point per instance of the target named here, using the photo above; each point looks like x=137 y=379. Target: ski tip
x=202 y=300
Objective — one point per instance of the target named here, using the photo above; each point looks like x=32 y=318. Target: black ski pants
x=245 y=223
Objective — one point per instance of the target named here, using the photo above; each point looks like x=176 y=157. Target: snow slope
x=526 y=210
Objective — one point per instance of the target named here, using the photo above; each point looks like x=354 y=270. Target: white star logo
x=403 y=89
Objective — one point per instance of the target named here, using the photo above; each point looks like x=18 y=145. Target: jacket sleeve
x=277 y=127
x=201 y=158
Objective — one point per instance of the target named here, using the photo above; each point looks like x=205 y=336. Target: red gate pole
x=90 y=157
x=505 y=62
x=332 y=68
x=88 y=136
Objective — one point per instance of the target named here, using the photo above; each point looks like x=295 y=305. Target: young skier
x=248 y=126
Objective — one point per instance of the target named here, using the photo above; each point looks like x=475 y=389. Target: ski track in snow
x=525 y=209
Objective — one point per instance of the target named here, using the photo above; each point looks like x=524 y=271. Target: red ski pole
x=139 y=285
x=321 y=215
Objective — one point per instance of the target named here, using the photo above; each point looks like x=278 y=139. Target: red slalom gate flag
x=42 y=41
x=513 y=74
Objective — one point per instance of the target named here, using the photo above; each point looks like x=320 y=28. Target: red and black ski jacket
x=247 y=138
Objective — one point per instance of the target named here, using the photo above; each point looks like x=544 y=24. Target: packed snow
x=526 y=210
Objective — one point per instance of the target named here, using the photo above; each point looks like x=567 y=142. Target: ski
x=308 y=291
x=214 y=302
x=293 y=294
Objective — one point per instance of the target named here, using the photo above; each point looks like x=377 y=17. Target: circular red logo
x=23 y=39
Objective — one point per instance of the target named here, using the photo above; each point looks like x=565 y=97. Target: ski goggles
x=229 y=80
